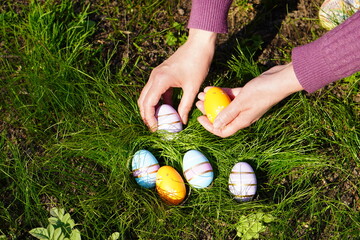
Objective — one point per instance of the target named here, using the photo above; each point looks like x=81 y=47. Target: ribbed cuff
x=310 y=67
x=209 y=15
x=330 y=58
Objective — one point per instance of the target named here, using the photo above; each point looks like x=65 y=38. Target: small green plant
x=250 y=226
x=177 y=38
x=244 y=5
x=252 y=44
x=61 y=227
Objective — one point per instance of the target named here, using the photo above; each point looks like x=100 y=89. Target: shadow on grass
x=257 y=35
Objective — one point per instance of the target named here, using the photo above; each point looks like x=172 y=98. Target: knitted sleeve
x=333 y=56
x=209 y=15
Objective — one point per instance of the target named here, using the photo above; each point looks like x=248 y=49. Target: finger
x=200 y=106
x=159 y=86
x=227 y=131
x=146 y=93
x=141 y=101
x=244 y=120
x=227 y=115
x=232 y=92
x=186 y=103
x=149 y=115
x=207 y=88
x=150 y=102
x=201 y=96
x=204 y=121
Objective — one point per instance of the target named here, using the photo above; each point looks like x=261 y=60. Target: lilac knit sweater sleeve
x=333 y=56
x=209 y=15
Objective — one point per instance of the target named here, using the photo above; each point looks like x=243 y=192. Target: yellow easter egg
x=215 y=101
x=170 y=185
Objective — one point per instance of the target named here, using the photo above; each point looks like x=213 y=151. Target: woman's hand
x=252 y=101
x=186 y=69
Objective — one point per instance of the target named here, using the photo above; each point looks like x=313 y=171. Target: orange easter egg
x=170 y=185
x=215 y=101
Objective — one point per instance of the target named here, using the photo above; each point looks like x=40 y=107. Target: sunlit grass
x=71 y=126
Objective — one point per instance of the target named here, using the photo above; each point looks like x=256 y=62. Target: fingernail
x=217 y=123
x=153 y=129
x=183 y=119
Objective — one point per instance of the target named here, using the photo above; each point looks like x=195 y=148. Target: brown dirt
x=279 y=24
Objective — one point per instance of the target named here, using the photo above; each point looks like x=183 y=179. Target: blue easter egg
x=144 y=168
x=197 y=169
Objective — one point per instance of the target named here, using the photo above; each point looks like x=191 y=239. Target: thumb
x=226 y=116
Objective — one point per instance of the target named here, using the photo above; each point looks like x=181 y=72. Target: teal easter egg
x=197 y=169
x=144 y=168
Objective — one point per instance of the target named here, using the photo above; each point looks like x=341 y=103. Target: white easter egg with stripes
x=144 y=168
x=168 y=119
x=242 y=182
x=197 y=169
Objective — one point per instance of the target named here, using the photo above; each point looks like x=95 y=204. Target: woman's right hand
x=186 y=69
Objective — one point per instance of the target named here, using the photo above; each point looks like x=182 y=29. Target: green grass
x=70 y=125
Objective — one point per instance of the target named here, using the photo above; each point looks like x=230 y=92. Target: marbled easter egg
x=170 y=185
x=197 y=169
x=242 y=182
x=144 y=168
x=168 y=119
x=215 y=101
